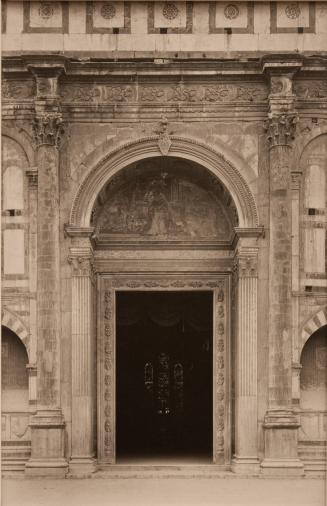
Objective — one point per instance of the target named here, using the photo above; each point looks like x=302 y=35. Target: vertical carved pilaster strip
x=221 y=414
x=47 y=434
x=280 y=133
x=106 y=350
x=83 y=351
x=280 y=424
x=245 y=458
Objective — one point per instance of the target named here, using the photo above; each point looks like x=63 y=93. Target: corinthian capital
x=82 y=265
x=246 y=263
x=48 y=129
x=280 y=129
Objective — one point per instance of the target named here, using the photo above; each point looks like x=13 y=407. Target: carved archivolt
x=14 y=323
x=190 y=149
x=318 y=320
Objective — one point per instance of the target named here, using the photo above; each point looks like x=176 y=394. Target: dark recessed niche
x=311 y=211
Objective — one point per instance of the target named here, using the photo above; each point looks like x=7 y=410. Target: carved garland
x=107 y=382
x=220 y=392
x=108 y=379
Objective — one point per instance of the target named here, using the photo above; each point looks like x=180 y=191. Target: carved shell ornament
x=170 y=11
x=46 y=10
x=231 y=11
x=292 y=10
x=108 y=11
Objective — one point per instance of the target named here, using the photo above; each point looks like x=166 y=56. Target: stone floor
x=164 y=492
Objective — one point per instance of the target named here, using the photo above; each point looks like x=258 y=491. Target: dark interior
x=164 y=375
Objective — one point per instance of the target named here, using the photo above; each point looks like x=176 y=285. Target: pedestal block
x=281 y=456
x=47 y=453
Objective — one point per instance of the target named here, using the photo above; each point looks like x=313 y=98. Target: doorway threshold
x=162 y=468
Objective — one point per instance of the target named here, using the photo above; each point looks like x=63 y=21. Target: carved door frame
x=108 y=284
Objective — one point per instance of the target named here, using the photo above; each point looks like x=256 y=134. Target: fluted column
x=83 y=360
x=246 y=403
x=280 y=424
x=47 y=426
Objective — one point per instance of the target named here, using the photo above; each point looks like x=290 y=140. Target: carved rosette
x=108 y=379
x=48 y=129
x=220 y=391
x=280 y=129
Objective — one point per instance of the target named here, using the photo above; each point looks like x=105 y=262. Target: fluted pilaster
x=83 y=360
x=245 y=278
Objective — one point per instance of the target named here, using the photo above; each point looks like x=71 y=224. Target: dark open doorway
x=164 y=376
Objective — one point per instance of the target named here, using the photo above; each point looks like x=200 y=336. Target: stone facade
x=165 y=146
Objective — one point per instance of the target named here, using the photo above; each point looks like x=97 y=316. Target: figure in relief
x=162 y=206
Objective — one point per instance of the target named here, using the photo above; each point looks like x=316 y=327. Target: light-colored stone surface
x=215 y=92
x=164 y=492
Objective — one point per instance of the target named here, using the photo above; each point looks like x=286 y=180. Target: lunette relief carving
x=167 y=205
x=48 y=129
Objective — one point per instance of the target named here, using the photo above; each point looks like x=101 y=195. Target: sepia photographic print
x=164 y=273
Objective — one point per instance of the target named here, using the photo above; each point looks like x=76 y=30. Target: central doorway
x=164 y=396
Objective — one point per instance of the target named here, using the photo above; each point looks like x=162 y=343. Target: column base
x=282 y=467
x=245 y=465
x=281 y=452
x=82 y=466
x=53 y=468
x=47 y=449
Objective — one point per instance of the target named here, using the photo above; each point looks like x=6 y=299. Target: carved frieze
x=310 y=90
x=234 y=92
x=280 y=129
x=17 y=90
x=97 y=93
x=48 y=129
x=174 y=93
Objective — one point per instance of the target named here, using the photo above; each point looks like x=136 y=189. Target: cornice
x=193 y=64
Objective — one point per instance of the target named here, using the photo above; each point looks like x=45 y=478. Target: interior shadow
x=164 y=376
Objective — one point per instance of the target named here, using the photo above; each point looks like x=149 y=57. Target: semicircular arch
x=23 y=140
x=148 y=147
x=315 y=322
x=14 y=323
